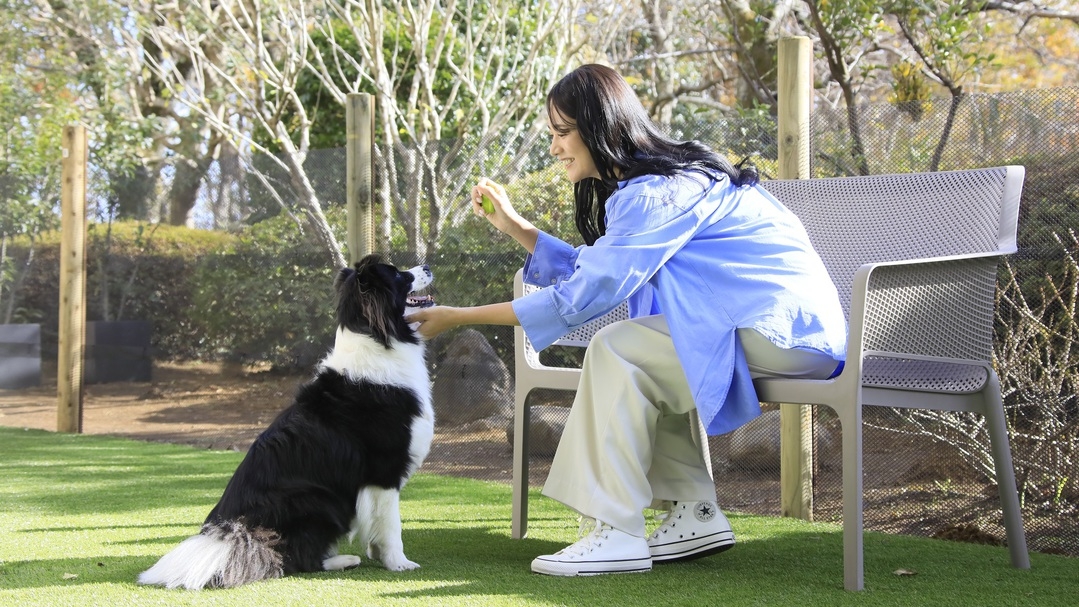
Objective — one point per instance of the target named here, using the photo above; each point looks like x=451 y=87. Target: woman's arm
x=436 y=320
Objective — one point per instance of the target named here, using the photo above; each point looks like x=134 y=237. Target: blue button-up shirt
x=712 y=258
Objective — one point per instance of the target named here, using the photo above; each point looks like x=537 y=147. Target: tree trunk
x=953 y=109
x=308 y=200
x=185 y=189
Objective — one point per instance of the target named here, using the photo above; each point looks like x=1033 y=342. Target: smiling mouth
x=420 y=301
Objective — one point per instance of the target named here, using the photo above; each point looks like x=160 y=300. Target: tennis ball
x=487 y=204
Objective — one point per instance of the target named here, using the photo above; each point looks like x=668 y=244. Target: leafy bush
x=134 y=272
x=475 y=263
x=267 y=297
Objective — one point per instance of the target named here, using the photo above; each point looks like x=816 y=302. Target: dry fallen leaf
x=71 y=576
x=904 y=572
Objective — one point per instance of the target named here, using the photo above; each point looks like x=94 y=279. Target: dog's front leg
x=380 y=524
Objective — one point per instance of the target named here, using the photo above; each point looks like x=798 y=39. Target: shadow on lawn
x=460 y=562
x=476 y=562
x=60 y=573
x=95 y=475
x=458 y=531
x=443 y=554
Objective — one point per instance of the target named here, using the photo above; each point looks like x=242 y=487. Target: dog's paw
x=341 y=561
x=399 y=563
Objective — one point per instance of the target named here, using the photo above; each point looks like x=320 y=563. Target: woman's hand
x=433 y=321
x=502 y=216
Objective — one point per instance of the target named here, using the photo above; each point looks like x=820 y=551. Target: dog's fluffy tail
x=224 y=555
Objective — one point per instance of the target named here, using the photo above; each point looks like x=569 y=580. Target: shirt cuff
x=539 y=318
x=551 y=261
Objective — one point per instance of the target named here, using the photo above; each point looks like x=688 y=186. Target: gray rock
x=756 y=444
x=472 y=383
x=546 y=423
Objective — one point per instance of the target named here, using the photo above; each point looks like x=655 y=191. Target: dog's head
x=372 y=297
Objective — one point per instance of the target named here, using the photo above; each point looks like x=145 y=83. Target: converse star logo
x=704 y=512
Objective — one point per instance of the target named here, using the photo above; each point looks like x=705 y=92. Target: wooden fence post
x=359 y=176
x=796 y=421
x=72 y=321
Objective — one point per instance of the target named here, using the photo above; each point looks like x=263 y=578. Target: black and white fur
x=333 y=462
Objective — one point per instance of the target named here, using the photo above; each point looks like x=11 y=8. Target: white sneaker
x=604 y=550
x=689 y=531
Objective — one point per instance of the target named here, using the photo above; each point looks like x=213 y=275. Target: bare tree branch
x=1032 y=10
x=250 y=54
x=438 y=133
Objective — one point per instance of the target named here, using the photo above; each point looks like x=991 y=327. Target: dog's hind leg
x=379 y=516
x=340 y=561
x=337 y=562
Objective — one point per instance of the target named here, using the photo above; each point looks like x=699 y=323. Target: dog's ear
x=342 y=277
x=344 y=286
x=368 y=262
x=378 y=308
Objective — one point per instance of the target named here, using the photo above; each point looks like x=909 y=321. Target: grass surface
x=81 y=516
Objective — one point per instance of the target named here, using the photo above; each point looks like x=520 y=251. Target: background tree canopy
x=175 y=90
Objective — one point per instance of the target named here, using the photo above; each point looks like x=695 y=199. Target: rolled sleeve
x=540 y=319
x=580 y=284
x=551 y=261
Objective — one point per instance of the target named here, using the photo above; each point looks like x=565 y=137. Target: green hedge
x=264 y=294
x=134 y=272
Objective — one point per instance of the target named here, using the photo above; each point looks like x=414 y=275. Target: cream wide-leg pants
x=631 y=437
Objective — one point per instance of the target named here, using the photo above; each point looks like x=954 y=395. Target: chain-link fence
x=253 y=306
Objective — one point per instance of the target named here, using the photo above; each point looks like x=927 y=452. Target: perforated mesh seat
x=914 y=257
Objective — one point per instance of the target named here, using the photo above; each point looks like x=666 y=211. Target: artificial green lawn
x=81 y=516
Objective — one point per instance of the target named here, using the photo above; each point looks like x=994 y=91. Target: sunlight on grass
x=82 y=516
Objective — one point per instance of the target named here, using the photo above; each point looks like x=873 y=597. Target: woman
x=723 y=286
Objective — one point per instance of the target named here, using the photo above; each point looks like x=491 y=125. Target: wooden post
x=359 y=176
x=72 y=321
x=796 y=421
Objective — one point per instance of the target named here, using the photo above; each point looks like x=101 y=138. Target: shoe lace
x=664 y=512
x=592 y=533
x=663 y=516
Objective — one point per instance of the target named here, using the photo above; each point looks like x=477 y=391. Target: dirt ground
x=214 y=406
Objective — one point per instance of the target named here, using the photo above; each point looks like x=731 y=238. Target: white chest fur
x=359 y=357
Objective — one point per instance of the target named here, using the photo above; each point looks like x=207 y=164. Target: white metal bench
x=915 y=259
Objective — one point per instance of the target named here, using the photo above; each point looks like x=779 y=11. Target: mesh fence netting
x=234 y=316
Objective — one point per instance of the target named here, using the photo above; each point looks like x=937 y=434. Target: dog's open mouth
x=420 y=301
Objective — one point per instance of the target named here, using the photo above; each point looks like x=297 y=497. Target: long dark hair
x=621 y=137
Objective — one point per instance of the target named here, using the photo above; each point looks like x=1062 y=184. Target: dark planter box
x=20 y=356
x=118 y=351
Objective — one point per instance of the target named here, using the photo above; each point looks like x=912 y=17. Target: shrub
x=135 y=271
x=267 y=297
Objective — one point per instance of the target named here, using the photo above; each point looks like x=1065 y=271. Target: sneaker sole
x=593 y=568
x=692 y=549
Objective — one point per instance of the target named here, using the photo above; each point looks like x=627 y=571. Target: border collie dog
x=334 y=461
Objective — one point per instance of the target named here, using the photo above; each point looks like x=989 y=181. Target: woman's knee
x=633 y=335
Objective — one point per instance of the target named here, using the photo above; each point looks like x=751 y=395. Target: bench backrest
x=857 y=220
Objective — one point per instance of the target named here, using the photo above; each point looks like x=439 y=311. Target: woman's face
x=569 y=148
